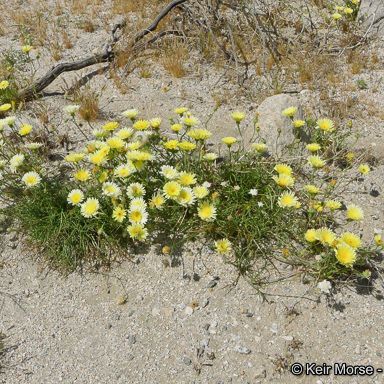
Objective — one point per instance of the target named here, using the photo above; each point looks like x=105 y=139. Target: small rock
x=121 y=300
x=131 y=339
x=274 y=328
x=242 y=350
x=260 y=373
x=212 y=284
x=358 y=349
x=205 y=303
x=186 y=360
x=188 y=310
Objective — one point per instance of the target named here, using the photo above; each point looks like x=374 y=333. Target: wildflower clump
x=138 y=179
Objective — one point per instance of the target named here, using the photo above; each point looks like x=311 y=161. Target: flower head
x=186 y=197
x=74 y=157
x=289 y=112
x=131 y=113
x=157 y=201
x=199 y=134
x=186 y=146
x=5 y=107
x=176 y=127
x=141 y=125
x=316 y=161
x=115 y=142
x=169 y=172
x=82 y=175
x=229 y=140
x=298 y=123
x=354 y=212
x=351 y=239
x=119 y=214
x=4 y=84
x=26 y=48
x=111 y=189
x=181 y=110
x=288 y=200
x=71 y=109
x=135 y=190
x=364 y=169
x=284 y=180
x=200 y=191
x=345 y=254
x=311 y=235
x=90 y=207
x=238 y=116
x=333 y=204
x=207 y=211
x=31 y=179
x=325 y=236
x=137 y=232
x=313 y=147
x=186 y=178
x=326 y=125
x=16 y=161
x=171 y=189
x=155 y=123
x=283 y=169
x=124 y=133
x=312 y=189
x=223 y=246
x=259 y=147
x=75 y=197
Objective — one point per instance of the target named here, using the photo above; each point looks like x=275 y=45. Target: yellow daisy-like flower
x=364 y=169
x=333 y=204
x=312 y=189
x=124 y=133
x=378 y=240
x=229 y=140
x=354 y=212
x=119 y=214
x=138 y=216
x=90 y=207
x=124 y=170
x=141 y=125
x=74 y=157
x=259 y=147
x=186 y=146
x=200 y=191
x=157 y=201
x=190 y=121
x=111 y=189
x=99 y=157
x=186 y=178
x=350 y=156
x=75 y=197
x=139 y=156
x=181 y=110
x=313 y=147
x=5 y=107
x=26 y=48
x=223 y=246
x=82 y=175
x=169 y=172
x=311 y=235
x=289 y=112
x=345 y=254
x=31 y=179
x=138 y=203
x=325 y=236
x=348 y=11
x=298 y=123
x=288 y=200
x=284 y=180
x=155 y=123
x=199 y=134
x=316 y=161
x=186 y=197
x=110 y=126
x=4 y=84
x=137 y=232
x=210 y=156
x=131 y=113
x=337 y=16
x=16 y=161
x=176 y=127
x=207 y=211
x=326 y=125
x=115 y=142
x=238 y=116
x=134 y=146
x=25 y=129
x=283 y=169
x=351 y=239
x=172 y=189
x=171 y=145
x=135 y=190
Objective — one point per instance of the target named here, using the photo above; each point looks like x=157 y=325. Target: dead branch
x=107 y=55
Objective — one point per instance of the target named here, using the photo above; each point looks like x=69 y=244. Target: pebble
x=242 y=350
x=186 y=360
x=188 y=310
x=212 y=284
x=273 y=328
x=131 y=339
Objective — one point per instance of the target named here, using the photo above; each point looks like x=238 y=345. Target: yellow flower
x=131 y=113
x=186 y=178
x=284 y=180
x=111 y=189
x=103 y=177
x=5 y=107
x=348 y=11
x=345 y=254
x=115 y=142
x=125 y=133
x=181 y=110
x=31 y=179
x=155 y=123
x=200 y=191
x=4 y=84
x=311 y=235
x=139 y=156
x=169 y=172
x=124 y=170
x=289 y=112
x=141 y=125
x=354 y=212
x=135 y=145
x=337 y=16
x=190 y=121
x=25 y=129
x=26 y=48
x=283 y=169
x=259 y=147
x=166 y=250
x=333 y=204
x=312 y=189
x=82 y=175
x=378 y=240
x=75 y=197
x=157 y=201
x=98 y=157
x=351 y=239
x=74 y=157
x=316 y=161
x=186 y=197
x=90 y=207
x=364 y=169
x=206 y=211
x=326 y=125
x=313 y=147
x=223 y=246
x=135 y=190
x=111 y=126
x=172 y=189
x=325 y=236
x=186 y=146
x=171 y=145
x=137 y=216
x=288 y=200
x=16 y=161
x=229 y=140
x=210 y=156
x=199 y=134
x=176 y=127
x=137 y=232
x=238 y=116
x=298 y=123
x=350 y=156
x=119 y=214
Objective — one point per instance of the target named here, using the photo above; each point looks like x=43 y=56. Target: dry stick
x=107 y=55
